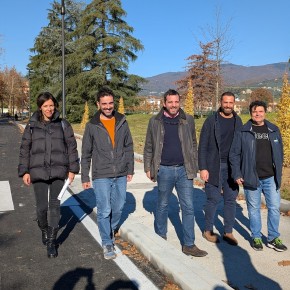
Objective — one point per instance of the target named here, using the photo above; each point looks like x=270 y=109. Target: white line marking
x=132 y=272
x=5 y=197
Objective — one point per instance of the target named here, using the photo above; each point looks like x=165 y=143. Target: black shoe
x=257 y=244
x=193 y=251
x=277 y=245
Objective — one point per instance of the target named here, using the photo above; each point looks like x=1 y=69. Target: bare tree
x=220 y=35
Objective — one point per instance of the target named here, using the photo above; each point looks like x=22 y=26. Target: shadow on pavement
x=69 y=280
x=83 y=204
x=129 y=207
x=121 y=284
x=150 y=203
x=240 y=271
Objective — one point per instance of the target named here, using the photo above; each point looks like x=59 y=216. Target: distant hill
x=234 y=75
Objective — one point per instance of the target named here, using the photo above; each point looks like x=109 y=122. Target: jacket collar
x=37 y=114
x=161 y=113
x=248 y=126
x=96 y=118
x=218 y=111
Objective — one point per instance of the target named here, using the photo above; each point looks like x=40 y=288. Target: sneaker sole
x=258 y=250
x=276 y=249
x=110 y=257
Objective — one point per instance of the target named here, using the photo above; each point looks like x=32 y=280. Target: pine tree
x=85 y=118
x=283 y=119
x=121 y=108
x=188 y=104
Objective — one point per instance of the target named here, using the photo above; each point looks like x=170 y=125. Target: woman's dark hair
x=42 y=98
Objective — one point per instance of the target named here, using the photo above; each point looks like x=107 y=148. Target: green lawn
x=138 y=125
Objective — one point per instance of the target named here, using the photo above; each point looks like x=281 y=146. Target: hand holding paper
x=64 y=188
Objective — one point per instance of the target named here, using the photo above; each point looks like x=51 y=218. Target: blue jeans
x=272 y=197
x=214 y=195
x=169 y=177
x=110 y=200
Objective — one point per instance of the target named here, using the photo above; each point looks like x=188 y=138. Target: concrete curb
x=182 y=269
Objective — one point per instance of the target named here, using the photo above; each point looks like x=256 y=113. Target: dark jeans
x=47 y=204
x=228 y=190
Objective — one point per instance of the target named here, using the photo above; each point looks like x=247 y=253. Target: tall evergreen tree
x=106 y=47
x=98 y=48
x=46 y=62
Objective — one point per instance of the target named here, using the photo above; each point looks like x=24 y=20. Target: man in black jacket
x=214 y=145
x=170 y=157
x=256 y=160
x=107 y=142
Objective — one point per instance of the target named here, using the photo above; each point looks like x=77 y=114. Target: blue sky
x=168 y=29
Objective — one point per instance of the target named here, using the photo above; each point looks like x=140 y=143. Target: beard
x=227 y=111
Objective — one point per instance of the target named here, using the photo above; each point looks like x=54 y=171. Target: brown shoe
x=193 y=251
x=229 y=237
x=210 y=236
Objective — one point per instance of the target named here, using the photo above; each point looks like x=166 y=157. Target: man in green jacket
x=170 y=157
x=107 y=142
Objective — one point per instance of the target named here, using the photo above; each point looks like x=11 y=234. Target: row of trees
x=98 y=48
x=14 y=91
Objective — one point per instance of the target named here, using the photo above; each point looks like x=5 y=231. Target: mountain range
x=234 y=76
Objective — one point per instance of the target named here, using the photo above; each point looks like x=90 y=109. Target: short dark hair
x=104 y=92
x=170 y=92
x=229 y=94
x=255 y=104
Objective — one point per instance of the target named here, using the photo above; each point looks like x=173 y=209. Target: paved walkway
x=239 y=267
x=225 y=266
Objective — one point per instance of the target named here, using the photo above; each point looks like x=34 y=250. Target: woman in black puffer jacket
x=48 y=156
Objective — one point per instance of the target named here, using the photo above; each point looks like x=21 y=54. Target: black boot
x=44 y=229
x=51 y=242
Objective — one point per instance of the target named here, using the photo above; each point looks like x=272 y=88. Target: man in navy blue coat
x=213 y=158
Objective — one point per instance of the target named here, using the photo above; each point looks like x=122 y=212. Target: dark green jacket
x=154 y=144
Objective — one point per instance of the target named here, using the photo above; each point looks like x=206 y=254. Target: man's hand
x=129 y=178
x=26 y=179
x=204 y=175
x=240 y=181
x=86 y=185
x=149 y=175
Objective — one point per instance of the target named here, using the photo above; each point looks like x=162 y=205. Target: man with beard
x=170 y=157
x=213 y=157
x=107 y=142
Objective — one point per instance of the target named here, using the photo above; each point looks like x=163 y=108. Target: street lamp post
x=29 y=95
x=63 y=61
